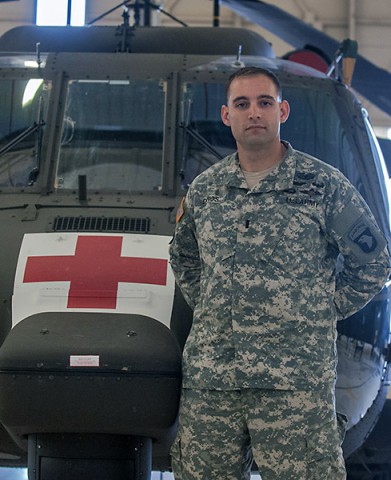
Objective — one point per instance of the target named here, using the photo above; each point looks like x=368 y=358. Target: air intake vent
x=101 y=224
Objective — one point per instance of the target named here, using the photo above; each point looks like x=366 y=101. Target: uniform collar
x=281 y=179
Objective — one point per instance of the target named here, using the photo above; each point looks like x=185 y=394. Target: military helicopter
x=101 y=131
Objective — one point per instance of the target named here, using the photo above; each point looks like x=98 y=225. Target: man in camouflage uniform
x=255 y=255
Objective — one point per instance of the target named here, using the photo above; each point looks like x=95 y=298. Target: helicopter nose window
x=112 y=134
x=22 y=121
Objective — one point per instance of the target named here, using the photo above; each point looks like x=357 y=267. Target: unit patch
x=361 y=235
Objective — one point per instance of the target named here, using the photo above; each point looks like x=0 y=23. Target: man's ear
x=225 y=116
x=284 y=111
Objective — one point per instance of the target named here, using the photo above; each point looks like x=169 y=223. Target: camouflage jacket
x=259 y=268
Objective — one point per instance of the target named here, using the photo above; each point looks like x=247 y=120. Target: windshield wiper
x=202 y=141
x=189 y=131
x=26 y=133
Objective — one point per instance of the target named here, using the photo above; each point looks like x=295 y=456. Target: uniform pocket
x=324 y=454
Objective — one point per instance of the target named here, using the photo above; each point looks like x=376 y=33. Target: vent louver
x=102 y=224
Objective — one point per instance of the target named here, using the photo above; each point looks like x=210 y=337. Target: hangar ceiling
x=368 y=22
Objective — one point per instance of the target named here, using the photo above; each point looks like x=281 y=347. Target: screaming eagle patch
x=362 y=236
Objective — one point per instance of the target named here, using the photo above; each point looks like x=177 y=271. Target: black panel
x=133 y=387
x=88 y=457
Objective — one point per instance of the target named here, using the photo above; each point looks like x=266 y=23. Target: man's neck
x=259 y=159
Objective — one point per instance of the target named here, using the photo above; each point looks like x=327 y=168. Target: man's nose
x=254 y=112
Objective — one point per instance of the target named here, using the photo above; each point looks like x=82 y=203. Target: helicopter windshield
x=112 y=135
x=324 y=136
x=23 y=116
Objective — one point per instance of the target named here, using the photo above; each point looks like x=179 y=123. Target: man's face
x=254 y=111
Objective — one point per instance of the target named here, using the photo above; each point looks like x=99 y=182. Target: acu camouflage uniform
x=258 y=266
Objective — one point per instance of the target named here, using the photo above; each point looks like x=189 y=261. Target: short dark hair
x=252 y=72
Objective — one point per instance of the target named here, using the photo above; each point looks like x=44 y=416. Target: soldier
x=255 y=255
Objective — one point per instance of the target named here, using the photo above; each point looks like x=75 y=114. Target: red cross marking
x=95 y=271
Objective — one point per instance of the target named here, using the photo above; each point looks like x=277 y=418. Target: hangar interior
x=367 y=22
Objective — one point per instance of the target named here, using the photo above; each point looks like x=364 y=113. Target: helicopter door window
x=22 y=121
x=112 y=134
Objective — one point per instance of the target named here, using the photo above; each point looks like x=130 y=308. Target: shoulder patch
x=181 y=210
x=365 y=240
x=361 y=234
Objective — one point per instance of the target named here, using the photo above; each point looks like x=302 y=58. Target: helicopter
x=102 y=129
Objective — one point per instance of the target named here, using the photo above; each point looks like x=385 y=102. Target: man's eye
x=241 y=105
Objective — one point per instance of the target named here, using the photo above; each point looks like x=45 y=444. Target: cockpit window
x=112 y=135
x=315 y=126
x=22 y=122
x=205 y=138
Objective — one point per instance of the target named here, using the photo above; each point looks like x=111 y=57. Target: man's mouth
x=255 y=127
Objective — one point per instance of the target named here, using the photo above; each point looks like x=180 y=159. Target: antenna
x=125 y=31
x=238 y=62
x=342 y=67
x=38 y=53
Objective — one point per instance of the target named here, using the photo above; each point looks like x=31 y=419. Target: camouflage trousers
x=290 y=435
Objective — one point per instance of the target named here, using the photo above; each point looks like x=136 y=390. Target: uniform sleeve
x=184 y=254
x=364 y=264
